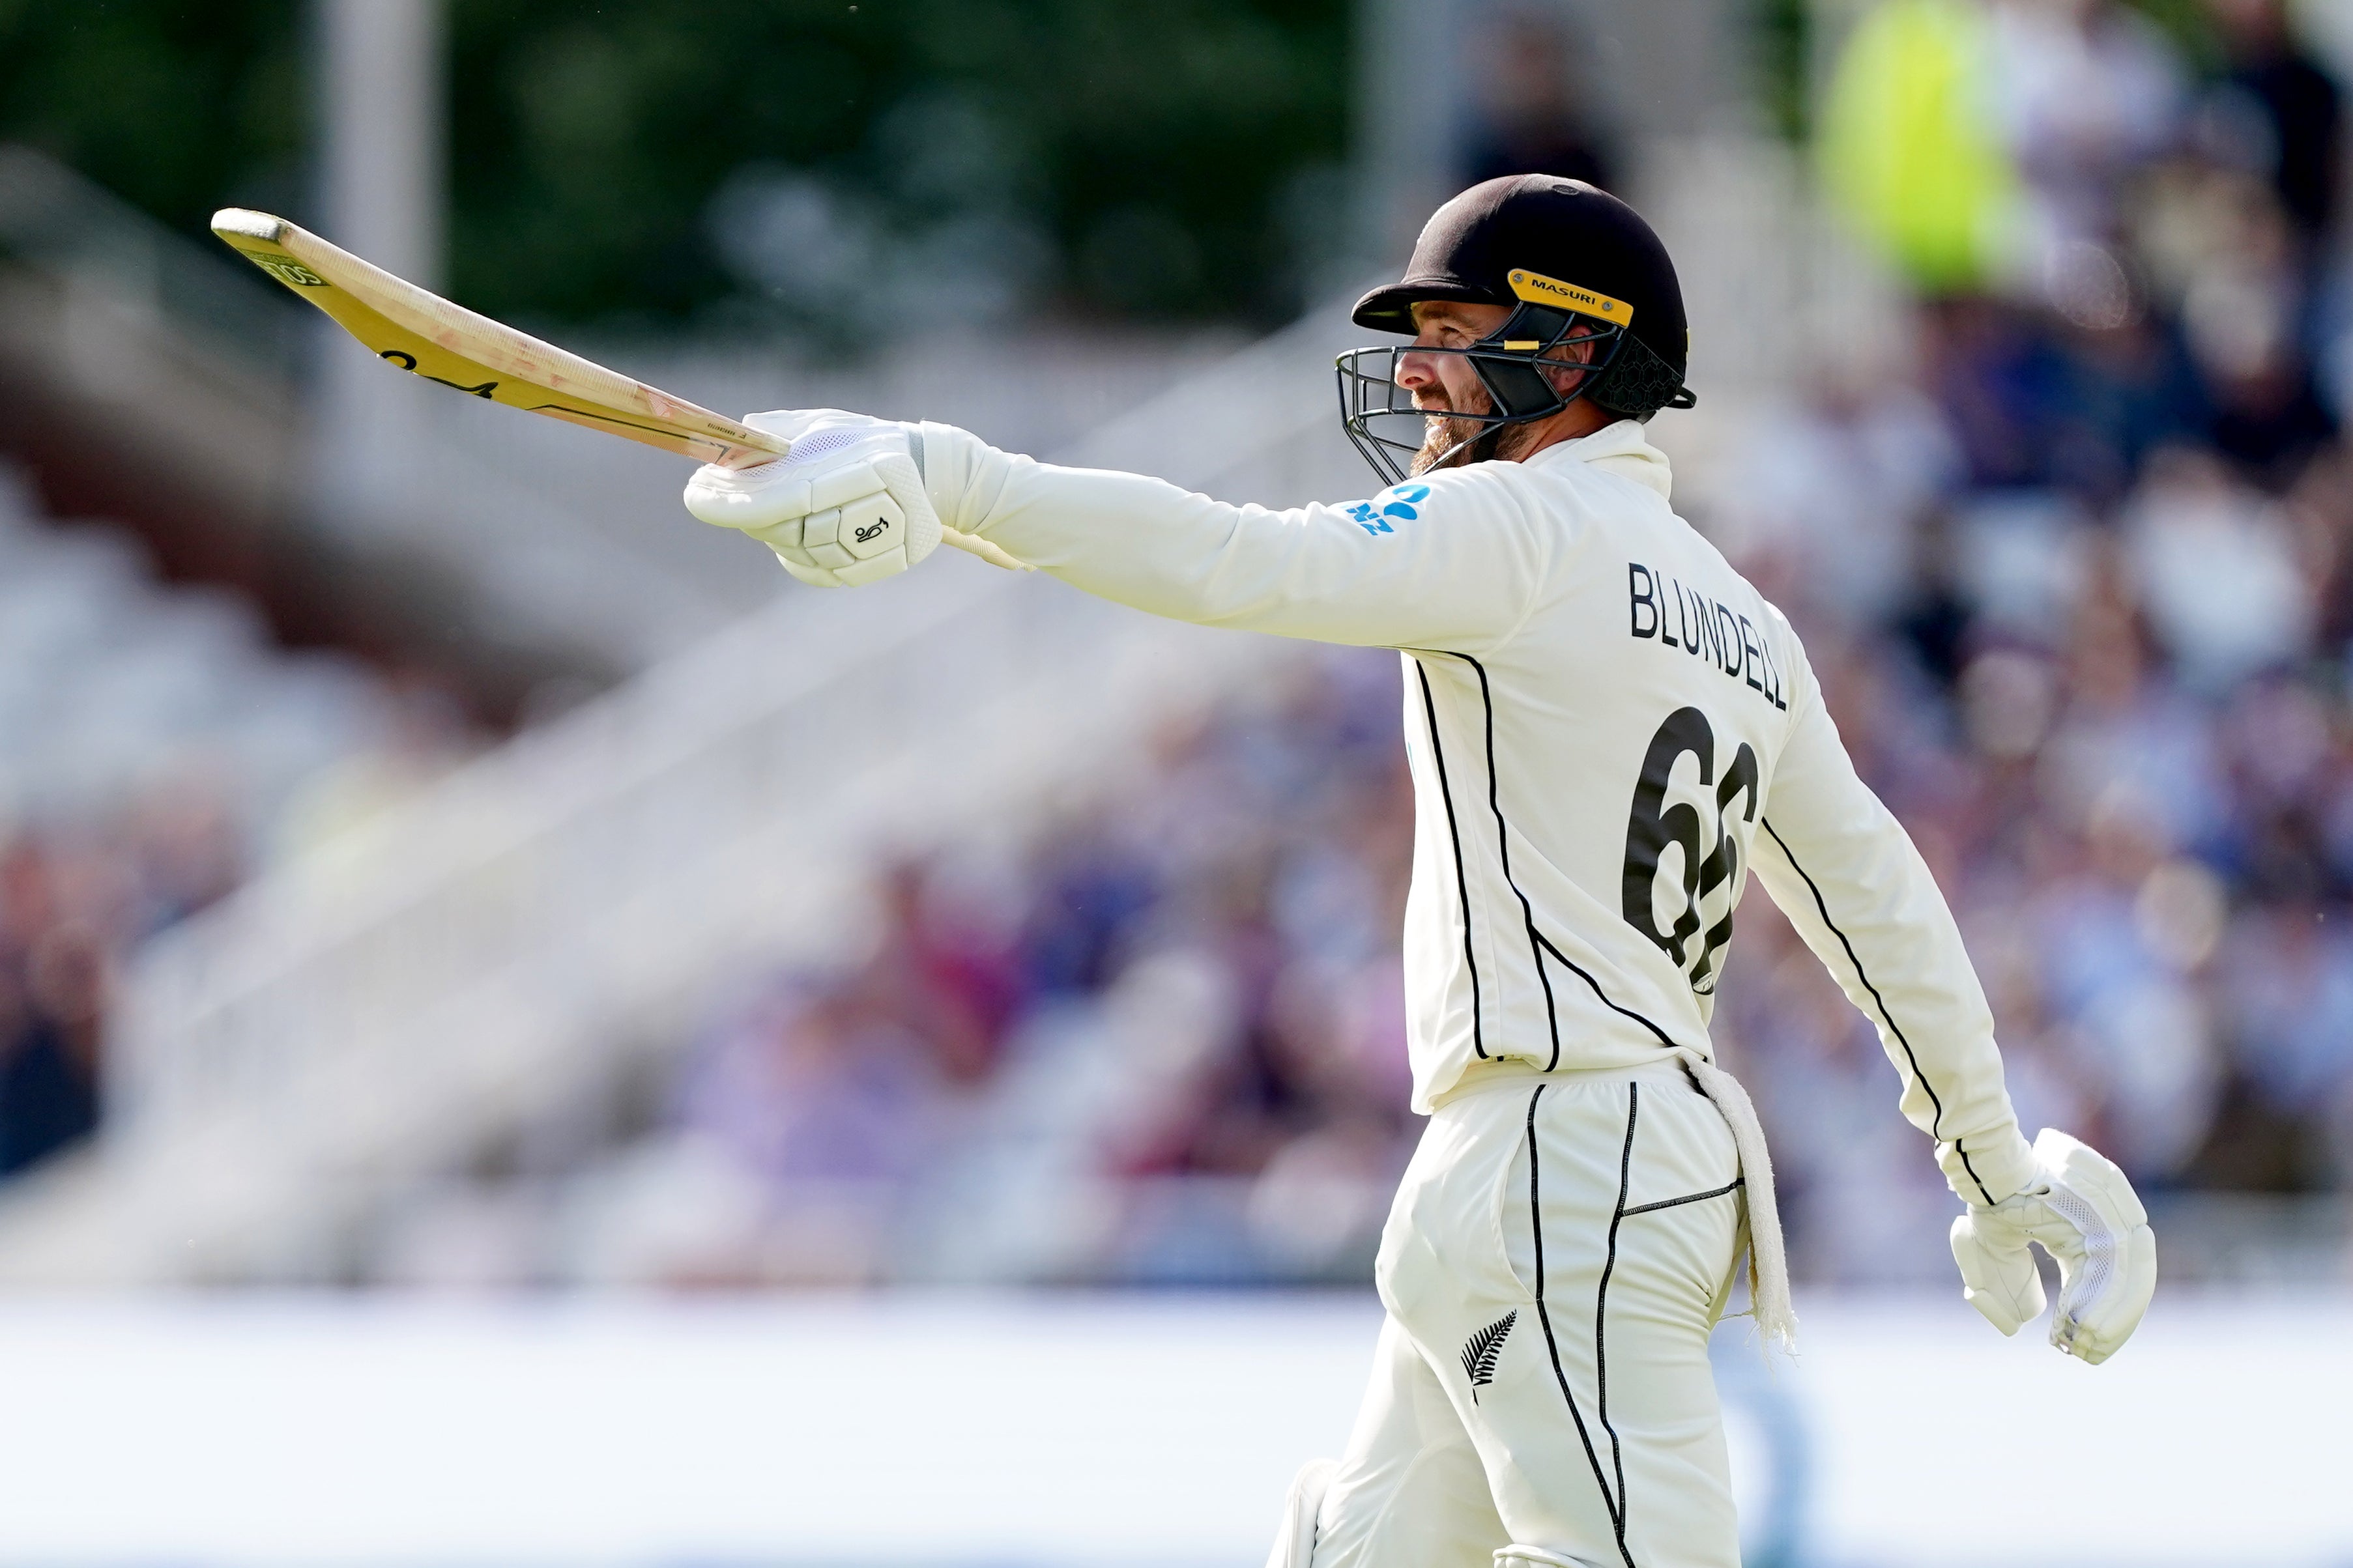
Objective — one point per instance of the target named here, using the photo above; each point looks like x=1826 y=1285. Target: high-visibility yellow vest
x=1910 y=146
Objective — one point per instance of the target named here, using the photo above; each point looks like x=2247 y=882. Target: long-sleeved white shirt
x=1607 y=728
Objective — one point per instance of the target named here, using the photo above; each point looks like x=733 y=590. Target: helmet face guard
x=1515 y=367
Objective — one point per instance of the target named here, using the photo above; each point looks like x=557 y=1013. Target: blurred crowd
x=1163 y=1043
x=155 y=750
x=2077 y=571
x=2072 y=550
x=2075 y=563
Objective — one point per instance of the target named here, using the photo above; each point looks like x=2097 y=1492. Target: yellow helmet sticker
x=1543 y=290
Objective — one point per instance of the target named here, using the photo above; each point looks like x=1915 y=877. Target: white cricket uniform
x=1607 y=726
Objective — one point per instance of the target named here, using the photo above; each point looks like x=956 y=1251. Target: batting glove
x=845 y=507
x=2084 y=1214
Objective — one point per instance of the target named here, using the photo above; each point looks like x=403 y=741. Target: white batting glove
x=2084 y=1214
x=845 y=507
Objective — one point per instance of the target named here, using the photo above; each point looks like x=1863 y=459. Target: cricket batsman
x=1607 y=729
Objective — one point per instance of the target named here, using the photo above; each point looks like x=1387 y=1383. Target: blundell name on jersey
x=1661 y=607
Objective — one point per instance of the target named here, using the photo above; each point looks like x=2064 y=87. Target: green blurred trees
x=1127 y=159
x=177 y=107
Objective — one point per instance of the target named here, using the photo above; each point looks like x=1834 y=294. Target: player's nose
x=1416 y=371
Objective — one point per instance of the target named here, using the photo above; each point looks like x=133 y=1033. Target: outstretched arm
x=1453 y=561
x=1450 y=561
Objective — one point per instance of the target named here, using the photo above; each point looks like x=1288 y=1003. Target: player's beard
x=1444 y=431
x=1445 y=428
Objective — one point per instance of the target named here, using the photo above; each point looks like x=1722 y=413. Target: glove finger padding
x=2084 y=1213
x=1997 y=1273
x=847 y=506
x=2094 y=1224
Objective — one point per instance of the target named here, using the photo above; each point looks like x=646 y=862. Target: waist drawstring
x=1769 y=1262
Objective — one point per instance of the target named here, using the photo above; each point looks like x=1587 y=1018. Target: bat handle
x=972 y=544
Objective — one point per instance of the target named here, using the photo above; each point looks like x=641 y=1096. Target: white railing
x=375 y=1012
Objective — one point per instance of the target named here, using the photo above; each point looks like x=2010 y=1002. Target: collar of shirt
x=1623 y=448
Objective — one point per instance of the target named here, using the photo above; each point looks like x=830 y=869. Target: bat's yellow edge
x=402 y=346
x=262 y=239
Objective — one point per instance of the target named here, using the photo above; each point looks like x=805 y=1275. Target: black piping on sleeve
x=1937 y=1105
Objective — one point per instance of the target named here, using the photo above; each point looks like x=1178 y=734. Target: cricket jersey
x=1608 y=729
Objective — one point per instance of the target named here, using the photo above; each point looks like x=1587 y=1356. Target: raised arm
x=1449 y=561
x=1452 y=562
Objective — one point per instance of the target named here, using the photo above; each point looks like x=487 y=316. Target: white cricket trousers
x=1559 y=1250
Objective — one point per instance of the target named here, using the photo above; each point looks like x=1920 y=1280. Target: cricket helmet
x=1574 y=265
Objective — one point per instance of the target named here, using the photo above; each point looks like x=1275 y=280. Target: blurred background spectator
x=2108 y=693
x=156 y=752
x=1530 y=73
x=2072 y=550
x=430 y=866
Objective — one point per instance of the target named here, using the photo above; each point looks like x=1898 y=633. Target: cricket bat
x=429 y=336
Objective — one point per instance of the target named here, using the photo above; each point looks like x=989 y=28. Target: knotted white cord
x=1768 y=1261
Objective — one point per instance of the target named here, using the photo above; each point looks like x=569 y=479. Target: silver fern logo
x=1480 y=1351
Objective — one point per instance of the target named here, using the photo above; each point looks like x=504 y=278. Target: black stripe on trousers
x=1601 y=1311
x=1544 y=1317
